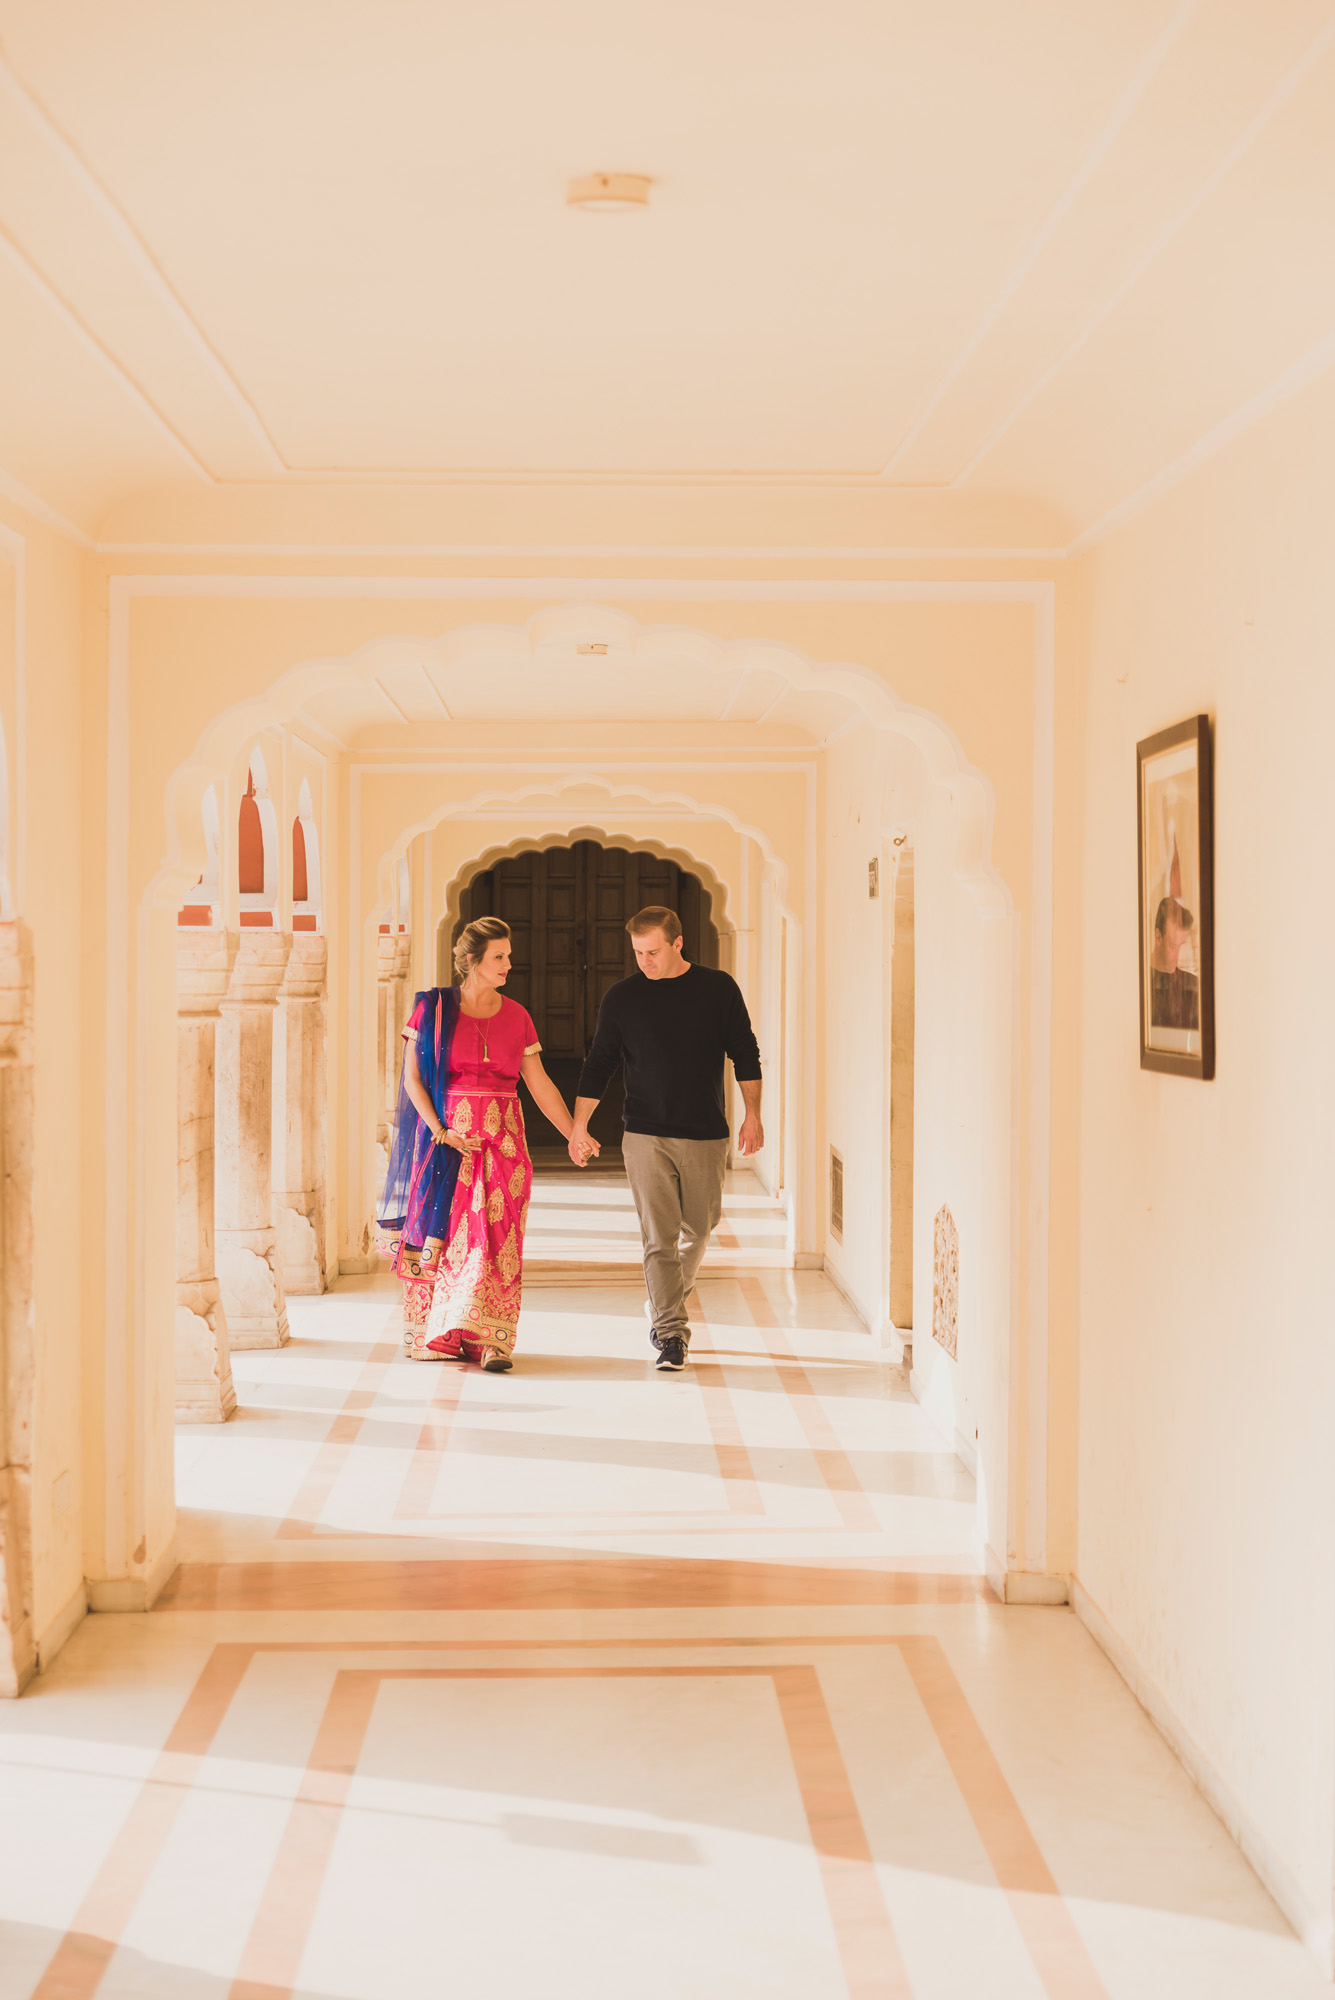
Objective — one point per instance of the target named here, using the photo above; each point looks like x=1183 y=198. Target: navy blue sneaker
x=671 y=1352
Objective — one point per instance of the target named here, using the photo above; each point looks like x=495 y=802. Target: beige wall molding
x=785 y=552
x=1148 y=68
x=41 y=510
x=1284 y=387
x=102 y=354
x=1283 y=91
x=116 y=225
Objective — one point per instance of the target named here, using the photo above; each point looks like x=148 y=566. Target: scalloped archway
x=528 y=843
x=1010 y=1079
x=645 y=651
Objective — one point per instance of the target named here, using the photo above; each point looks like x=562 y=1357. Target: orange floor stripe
x=271 y=1959
x=316 y=1487
x=867 y=1943
x=419 y=1486
x=836 y=1468
x=863 y=1932
x=1059 y=1952
x=565 y=1583
x=734 y=1461
x=84 y=1953
x=863 y=1928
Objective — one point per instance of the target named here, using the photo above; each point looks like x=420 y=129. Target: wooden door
x=567 y=908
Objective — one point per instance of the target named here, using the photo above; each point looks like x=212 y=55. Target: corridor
x=589 y=1681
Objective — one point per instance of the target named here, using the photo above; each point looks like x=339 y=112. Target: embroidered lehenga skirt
x=473 y=1280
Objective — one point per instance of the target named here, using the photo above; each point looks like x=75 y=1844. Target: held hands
x=582 y=1147
x=752 y=1135
x=442 y=1136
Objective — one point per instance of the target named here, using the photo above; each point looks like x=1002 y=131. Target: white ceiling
x=555 y=684
x=1041 y=248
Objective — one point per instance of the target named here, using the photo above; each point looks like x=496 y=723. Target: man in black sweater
x=672 y=1023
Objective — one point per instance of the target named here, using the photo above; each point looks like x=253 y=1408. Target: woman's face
x=493 y=967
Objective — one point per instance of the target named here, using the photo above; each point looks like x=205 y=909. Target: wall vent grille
x=836 y=1195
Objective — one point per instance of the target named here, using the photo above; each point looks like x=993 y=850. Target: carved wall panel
x=946 y=1281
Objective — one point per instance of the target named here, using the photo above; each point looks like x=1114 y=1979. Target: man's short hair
x=1167 y=905
x=655 y=918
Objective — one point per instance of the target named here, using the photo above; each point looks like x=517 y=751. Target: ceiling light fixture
x=609 y=191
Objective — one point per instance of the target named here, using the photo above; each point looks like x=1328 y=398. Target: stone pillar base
x=247 y=1265
x=204 y=1391
x=299 y=1258
x=18 y=1648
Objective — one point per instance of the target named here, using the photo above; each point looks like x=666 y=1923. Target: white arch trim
x=496 y=800
x=642 y=651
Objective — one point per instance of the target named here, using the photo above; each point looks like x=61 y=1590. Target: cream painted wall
x=972 y=1043
x=1207 y=1256
x=965 y=948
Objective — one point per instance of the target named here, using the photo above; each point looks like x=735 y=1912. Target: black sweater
x=673 y=1035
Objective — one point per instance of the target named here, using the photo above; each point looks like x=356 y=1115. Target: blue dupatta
x=419 y=1187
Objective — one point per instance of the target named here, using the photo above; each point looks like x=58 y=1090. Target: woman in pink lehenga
x=463 y=1287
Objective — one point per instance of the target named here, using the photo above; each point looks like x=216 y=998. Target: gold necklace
x=482 y=1036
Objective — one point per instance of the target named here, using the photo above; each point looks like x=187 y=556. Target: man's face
x=656 y=958
x=1170 y=940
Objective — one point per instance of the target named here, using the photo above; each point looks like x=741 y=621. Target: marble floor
x=589 y=1681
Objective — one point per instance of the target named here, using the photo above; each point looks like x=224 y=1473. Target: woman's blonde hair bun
x=472 y=941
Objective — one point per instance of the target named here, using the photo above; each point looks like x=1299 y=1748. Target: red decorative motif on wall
x=250 y=846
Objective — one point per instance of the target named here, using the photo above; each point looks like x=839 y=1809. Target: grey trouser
x=678 y=1190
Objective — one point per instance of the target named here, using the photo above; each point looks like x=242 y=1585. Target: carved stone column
x=247 y=1242
x=18 y=1652
x=403 y=962
x=204 y=1391
x=299 y=1117
x=387 y=1051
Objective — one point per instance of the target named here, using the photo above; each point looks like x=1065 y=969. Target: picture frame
x=1175 y=855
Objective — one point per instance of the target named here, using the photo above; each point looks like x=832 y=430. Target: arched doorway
x=567 y=908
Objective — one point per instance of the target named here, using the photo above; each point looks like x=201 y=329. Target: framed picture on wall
x=1176 y=849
